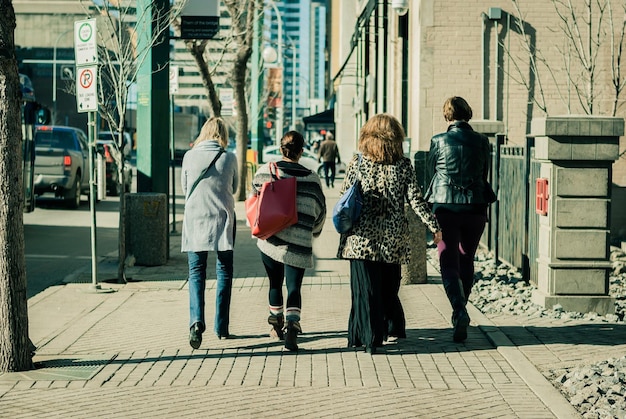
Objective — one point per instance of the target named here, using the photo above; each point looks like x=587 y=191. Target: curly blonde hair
x=381 y=139
x=214 y=129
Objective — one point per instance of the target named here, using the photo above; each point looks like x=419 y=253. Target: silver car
x=308 y=160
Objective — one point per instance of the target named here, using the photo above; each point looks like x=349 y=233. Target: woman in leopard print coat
x=378 y=243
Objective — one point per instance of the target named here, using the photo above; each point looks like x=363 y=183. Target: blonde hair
x=214 y=129
x=381 y=139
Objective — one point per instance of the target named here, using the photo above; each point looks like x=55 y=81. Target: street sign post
x=86 y=58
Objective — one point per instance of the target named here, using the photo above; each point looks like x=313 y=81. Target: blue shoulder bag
x=347 y=210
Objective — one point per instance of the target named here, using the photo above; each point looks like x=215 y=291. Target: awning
x=319 y=121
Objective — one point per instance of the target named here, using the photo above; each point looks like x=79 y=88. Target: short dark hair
x=292 y=144
x=456 y=108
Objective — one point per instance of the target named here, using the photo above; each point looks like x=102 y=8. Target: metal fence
x=513 y=221
x=533 y=220
x=512 y=176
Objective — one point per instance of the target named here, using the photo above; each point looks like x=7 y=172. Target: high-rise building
x=303 y=58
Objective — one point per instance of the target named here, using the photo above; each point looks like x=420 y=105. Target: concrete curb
x=547 y=393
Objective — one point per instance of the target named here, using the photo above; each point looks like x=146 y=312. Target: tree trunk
x=15 y=352
x=197 y=52
x=241 y=124
x=242 y=14
x=121 y=262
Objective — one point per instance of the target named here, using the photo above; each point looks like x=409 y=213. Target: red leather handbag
x=274 y=208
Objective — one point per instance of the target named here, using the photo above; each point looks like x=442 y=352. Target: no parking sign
x=86 y=89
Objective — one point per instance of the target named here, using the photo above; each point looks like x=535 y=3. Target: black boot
x=293 y=328
x=278 y=323
x=460 y=324
x=460 y=318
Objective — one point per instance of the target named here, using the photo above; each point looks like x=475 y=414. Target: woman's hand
x=437 y=237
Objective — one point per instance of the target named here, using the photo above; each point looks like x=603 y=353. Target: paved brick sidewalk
x=126 y=354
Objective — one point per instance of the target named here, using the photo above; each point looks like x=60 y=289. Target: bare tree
x=240 y=41
x=120 y=58
x=15 y=352
x=588 y=31
x=197 y=49
x=617 y=48
x=243 y=15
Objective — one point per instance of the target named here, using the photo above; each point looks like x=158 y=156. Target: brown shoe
x=278 y=323
x=293 y=328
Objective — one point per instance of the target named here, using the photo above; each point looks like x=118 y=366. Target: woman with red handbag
x=287 y=253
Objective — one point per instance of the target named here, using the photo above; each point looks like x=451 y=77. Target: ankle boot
x=278 y=323
x=460 y=323
x=293 y=328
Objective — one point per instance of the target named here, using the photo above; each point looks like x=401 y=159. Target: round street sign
x=87 y=89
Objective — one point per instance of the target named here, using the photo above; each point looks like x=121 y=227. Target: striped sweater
x=294 y=245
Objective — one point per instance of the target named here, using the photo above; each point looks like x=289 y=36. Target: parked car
x=113 y=158
x=127 y=141
x=308 y=160
x=61 y=163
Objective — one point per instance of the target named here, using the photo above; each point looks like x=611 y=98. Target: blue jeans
x=197 y=284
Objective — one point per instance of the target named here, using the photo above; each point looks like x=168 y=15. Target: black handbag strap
x=219 y=153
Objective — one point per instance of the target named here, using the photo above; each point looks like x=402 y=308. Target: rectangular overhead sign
x=200 y=19
x=228 y=100
x=86 y=89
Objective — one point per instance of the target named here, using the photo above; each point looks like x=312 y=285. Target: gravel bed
x=597 y=390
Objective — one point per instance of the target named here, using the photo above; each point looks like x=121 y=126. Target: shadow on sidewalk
x=601 y=334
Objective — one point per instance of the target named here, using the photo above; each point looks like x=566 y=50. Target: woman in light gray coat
x=209 y=224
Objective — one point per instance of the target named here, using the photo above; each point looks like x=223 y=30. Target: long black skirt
x=376 y=311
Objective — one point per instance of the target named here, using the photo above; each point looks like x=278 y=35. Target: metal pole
x=54 y=76
x=280 y=117
x=293 y=84
x=173 y=164
x=92 y=199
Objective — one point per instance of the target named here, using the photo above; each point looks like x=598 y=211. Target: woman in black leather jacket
x=459 y=194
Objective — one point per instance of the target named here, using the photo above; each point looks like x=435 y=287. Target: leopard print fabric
x=381 y=232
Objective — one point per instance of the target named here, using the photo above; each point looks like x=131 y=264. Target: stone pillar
x=576 y=154
x=414 y=272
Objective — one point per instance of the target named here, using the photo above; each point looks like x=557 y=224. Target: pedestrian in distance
x=287 y=254
x=209 y=224
x=379 y=242
x=328 y=154
x=459 y=193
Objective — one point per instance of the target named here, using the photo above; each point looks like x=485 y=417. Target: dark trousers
x=329 y=173
x=278 y=273
x=461 y=235
x=376 y=311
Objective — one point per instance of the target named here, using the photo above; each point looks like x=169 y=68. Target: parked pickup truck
x=61 y=163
